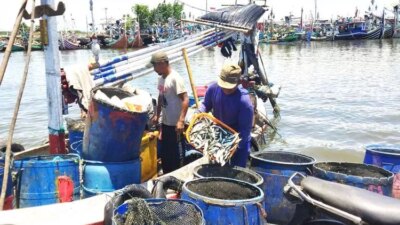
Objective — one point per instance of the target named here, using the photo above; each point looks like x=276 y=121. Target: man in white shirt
x=173 y=102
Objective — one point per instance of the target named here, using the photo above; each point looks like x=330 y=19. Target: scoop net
x=138 y=211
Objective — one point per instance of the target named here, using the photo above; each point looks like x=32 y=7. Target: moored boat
x=356 y=31
x=68 y=45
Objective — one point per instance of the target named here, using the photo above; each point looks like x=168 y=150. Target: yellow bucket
x=148 y=156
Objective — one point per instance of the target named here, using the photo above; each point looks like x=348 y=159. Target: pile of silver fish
x=213 y=140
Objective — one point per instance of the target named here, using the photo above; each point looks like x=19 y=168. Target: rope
x=7 y=53
x=16 y=110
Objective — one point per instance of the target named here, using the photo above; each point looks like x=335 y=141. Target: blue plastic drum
x=226 y=201
x=44 y=180
x=276 y=167
x=99 y=177
x=387 y=157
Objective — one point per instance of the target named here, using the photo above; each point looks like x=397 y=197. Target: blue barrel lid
x=232 y=172
x=259 y=196
x=47 y=160
x=357 y=172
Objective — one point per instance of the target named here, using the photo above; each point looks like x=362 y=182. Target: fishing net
x=238 y=16
x=285 y=157
x=354 y=169
x=228 y=172
x=159 y=212
x=224 y=189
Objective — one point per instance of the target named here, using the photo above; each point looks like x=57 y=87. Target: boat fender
x=164 y=183
x=128 y=192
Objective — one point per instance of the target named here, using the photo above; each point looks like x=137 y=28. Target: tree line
x=159 y=15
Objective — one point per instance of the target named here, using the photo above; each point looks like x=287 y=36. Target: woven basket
x=216 y=121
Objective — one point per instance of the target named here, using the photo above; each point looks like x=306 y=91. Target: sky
x=78 y=12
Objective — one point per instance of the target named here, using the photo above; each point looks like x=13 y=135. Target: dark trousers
x=252 y=59
x=172 y=151
x=240 y=158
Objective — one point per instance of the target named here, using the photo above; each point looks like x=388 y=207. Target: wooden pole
x=14 y=32
x=189 y=70
x=16 y=110
x=53 y=81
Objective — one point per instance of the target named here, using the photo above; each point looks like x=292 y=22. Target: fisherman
x=249 y=54
x=173 y=104
x=230 y=103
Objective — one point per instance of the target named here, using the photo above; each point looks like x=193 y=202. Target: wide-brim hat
x=229 y=76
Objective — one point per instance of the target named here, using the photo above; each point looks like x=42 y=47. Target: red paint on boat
x=57 y=143
x=8 y=202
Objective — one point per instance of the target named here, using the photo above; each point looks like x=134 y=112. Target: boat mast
x=91 y=11
x=53 y=81
x=315 y=10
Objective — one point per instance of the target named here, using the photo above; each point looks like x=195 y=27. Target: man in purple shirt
x=231 y=104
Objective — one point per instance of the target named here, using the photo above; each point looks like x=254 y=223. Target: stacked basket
x=111 y=145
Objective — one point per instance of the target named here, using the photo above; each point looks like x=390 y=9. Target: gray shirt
x=169 y=89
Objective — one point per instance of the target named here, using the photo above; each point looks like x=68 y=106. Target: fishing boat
x=322 y=31
x=356 y=31
x=289 y=37
x=17 y=48
x=68 y=45
x=2 y=46
x=396 y=11
x=120 y=43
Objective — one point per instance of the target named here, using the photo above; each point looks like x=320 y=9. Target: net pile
x=228 y=172
x=223 y=189
x=216 y=142
x=159 y=212
x=236 y=16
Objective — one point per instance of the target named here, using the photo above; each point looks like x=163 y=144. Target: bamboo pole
x=16 y=110
x=14 y=32
x=189 y=70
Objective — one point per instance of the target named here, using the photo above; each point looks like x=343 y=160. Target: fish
x=213 y=140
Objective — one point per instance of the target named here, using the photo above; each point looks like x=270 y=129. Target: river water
x=336 y=98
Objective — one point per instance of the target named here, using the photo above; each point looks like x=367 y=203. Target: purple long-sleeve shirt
x=235 y=110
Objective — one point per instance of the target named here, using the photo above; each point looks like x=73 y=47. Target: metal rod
x=189 y=70
x=14 y=32
x=244 y=30
x=16 y=110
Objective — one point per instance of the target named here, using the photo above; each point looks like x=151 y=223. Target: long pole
x=16 y=110
x=14 y=32
x=189 y=70
x=53 y=81
x=91 y=12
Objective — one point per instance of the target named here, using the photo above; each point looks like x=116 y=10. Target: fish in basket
x=214 y=138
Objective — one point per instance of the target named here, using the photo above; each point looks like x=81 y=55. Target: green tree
x=128 y=21
x=143 y=14
x=160 y=14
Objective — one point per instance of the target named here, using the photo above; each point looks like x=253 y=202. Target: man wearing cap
x=231 y=104
x=173 y=102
